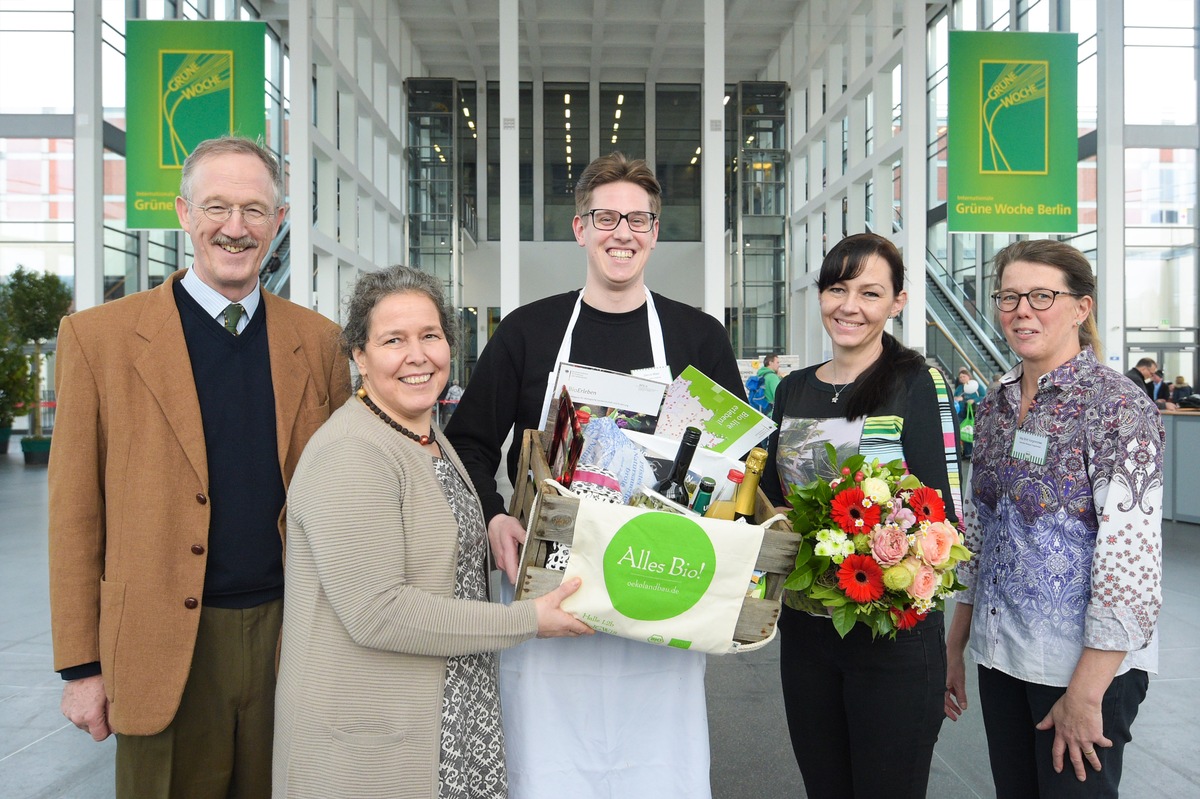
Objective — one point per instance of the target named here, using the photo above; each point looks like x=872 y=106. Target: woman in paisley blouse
x=388 y=677
x=1065 y=513
x=863 y=713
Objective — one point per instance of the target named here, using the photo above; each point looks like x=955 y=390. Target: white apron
x=603 y=717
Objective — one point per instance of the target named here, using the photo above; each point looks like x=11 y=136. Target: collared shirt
x=214 y=303
x=1069 y=550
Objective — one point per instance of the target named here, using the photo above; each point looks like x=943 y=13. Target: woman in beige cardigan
x=387 y=680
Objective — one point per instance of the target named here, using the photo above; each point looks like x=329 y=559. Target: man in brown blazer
x=182 y=412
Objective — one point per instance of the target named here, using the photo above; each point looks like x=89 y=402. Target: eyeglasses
x=251 y=214
x=1039 y=299
x=639 y=221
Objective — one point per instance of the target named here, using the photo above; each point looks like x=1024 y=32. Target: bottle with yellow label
x=722 y=508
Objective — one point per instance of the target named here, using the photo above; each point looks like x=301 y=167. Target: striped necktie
x=232 y=314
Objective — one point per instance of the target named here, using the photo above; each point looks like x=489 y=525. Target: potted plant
x=34 y=304
x=16 y=385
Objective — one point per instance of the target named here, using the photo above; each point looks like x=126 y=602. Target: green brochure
x=727 y=423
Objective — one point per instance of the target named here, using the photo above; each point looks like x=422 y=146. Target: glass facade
x=1158 y=53
x=677 y=158
x=566 y=131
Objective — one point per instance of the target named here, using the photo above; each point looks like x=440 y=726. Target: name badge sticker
x=660 y=373
x=1030 y=447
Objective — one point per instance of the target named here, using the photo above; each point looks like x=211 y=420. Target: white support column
x=510 y=152
x=481 y=158
x=1110 y=182
x=89 y=159
x=300 y=146
x=712 y=159
x=914 y=180
x=538 y=112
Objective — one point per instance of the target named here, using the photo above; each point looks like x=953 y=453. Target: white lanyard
x=660 y=370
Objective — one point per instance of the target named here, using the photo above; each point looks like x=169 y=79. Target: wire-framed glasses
x=639 y=221
x=1039 y=299
x=251 y=214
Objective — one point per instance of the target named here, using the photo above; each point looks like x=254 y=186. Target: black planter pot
x=37 y=451
x=5 y=436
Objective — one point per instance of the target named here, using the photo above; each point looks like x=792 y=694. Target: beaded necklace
x=399 y=428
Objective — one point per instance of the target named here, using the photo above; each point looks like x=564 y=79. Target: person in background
x=1160 y=392
x=449 y=404
x=1064 y=514
x=769 y=372
x=1142 y=372
x=967 y=393
x=1180 y=390
x=182 y=412
x=387 y=676
x=967 y=390
x=878 y=398
x=608 y=717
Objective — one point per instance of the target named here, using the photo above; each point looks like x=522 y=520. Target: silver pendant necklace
x=837 y=391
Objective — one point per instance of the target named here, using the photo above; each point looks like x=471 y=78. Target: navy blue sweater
x=246 y=492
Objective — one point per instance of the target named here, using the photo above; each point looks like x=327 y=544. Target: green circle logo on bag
x=657 y=566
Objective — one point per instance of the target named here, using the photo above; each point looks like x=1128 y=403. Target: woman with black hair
x=863 y=713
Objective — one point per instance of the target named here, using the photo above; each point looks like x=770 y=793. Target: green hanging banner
x=185 y=81
x=1013 y=133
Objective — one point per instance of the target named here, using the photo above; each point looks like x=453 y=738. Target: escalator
x=958 y=332
x=277 y=266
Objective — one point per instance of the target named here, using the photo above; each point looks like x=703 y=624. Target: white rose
x=876 y=489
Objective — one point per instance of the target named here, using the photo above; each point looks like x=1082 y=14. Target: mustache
x=224 y=241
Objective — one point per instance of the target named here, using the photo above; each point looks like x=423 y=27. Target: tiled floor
x=42 y=756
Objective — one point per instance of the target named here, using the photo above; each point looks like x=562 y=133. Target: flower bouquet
x=875 y=546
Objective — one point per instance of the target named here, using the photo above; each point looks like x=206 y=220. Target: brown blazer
x=129 y=509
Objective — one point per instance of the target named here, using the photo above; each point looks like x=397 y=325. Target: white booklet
x=633 y=401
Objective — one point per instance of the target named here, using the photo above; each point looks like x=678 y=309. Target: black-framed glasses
x=251 y=214
x=639 y=221
x=1039 y=299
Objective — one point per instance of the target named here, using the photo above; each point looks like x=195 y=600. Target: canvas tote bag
x=662 y=578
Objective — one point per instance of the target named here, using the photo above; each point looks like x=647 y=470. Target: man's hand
x=85 y=704
x=506 y=535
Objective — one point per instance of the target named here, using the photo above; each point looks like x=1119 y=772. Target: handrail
x=985 y=336
x=971 y=365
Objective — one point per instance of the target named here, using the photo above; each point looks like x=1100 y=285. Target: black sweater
x=237 y=407
x=509 y=383
x=921 y=416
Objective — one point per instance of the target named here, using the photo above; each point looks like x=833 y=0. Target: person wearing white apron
x=607 y=717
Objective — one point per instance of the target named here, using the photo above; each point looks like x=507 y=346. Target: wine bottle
x=722 y=508
x=674 y=485
x=704 y=495
x=747 y=494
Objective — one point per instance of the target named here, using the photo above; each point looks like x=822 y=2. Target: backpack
x=756 y=393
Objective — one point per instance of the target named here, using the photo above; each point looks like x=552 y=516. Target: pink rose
x=903 y=517
x=934 y=543
x=924 y=583
x=889 y=545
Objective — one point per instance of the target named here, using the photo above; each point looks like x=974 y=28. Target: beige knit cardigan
x=369 y=615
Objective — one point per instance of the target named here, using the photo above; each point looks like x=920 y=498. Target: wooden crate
x=555 y=522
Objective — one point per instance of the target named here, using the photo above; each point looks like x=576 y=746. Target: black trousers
x=1022 y=764
x=863 y=714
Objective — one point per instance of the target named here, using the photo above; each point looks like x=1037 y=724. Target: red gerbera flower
x=861 y=578
x=907 y=618
x=927 y=505
x=849 y=512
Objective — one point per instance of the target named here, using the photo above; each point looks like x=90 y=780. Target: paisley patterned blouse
x=1064 y=513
